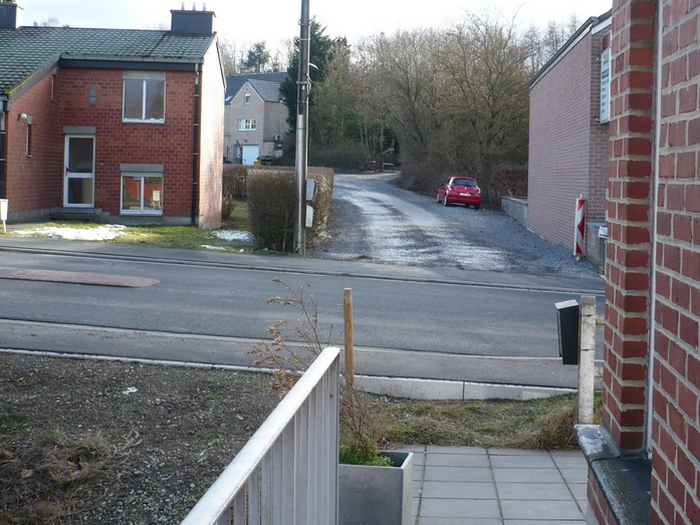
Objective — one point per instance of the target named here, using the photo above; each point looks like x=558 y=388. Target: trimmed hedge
x=272 y=205
x=235 y=181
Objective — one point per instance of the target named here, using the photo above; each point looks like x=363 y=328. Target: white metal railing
x=288 y=472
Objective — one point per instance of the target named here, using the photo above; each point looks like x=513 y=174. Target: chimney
x=10 y=14
x=192 y=22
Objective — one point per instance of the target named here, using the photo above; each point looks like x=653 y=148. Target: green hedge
x=272 y=205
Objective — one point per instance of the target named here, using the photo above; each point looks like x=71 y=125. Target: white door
x=79 y=180
x=250 y=154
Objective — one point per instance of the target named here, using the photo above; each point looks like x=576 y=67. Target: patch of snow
x=229 y=235
x=98 y=233
x=208 y=247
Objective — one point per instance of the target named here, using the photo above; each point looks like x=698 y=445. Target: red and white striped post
x=580 y=233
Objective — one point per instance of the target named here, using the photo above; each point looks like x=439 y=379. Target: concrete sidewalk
x=477 y=486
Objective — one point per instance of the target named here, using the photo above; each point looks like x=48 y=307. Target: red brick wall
x=629 y=223
x=676 y=423
x=34 y=183
x=599 y=506
x=567 y=146
x=117 y=142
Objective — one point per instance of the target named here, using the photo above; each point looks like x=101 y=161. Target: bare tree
x=487 y=95
x=400 y=85
x=230 y=57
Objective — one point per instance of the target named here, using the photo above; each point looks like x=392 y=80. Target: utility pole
x=302 y=128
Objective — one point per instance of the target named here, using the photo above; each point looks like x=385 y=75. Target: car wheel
x=477 y=206
x=444 y=201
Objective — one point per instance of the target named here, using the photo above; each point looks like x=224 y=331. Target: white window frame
x=247 y=124
x=155 y=171
x=72 y=175
x=246 y=98
x=144 y=77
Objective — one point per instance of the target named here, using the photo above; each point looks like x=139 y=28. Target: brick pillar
x=630 y=196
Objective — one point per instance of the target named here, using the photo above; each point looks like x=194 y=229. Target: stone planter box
x=370 y=495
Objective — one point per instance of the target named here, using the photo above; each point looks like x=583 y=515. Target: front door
x=79 y=183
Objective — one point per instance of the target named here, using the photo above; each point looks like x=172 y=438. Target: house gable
x=63 y=79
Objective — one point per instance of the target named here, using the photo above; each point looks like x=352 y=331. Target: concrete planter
x=376 y=495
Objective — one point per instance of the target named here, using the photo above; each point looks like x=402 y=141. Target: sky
x=276 y=21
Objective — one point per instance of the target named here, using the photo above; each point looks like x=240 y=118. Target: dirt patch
x=86 y=441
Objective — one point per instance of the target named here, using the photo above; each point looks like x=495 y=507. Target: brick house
x=255 y=117
x=122 y=125
x=568 y=146
x=644 y=460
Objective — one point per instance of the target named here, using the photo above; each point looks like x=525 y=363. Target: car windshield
x=464 y=182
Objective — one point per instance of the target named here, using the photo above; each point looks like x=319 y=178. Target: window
x=142 y=194
x=247 y=124
x=247 y=98
x=144 y=97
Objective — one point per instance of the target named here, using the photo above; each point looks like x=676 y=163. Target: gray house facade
x=254 y=118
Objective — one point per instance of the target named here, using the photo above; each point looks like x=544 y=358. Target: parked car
x=460 y=190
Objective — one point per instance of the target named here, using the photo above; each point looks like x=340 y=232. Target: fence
x=288 y=472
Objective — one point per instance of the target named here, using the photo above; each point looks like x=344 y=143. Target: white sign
x=605 y=86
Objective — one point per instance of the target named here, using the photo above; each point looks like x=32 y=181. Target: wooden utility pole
x=349 y=340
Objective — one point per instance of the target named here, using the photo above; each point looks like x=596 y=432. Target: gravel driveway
x=373 y=220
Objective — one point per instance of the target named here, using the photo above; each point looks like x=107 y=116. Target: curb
x=431 y=389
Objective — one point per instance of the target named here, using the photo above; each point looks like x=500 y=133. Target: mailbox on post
x=567 y=327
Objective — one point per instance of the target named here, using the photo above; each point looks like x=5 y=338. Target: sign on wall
x=605 y=86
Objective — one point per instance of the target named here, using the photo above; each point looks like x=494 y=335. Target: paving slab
x=498 y=487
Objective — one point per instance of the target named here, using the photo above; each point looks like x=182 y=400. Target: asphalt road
x=439 y=292
x=209 y=307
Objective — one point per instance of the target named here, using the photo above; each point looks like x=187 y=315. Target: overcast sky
x=275 y=21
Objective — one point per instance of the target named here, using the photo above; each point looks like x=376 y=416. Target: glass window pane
x=155 y=94
x=131 y=193
x=133 y=99
x=80 y=155
x=152 y=193
x=80 y=190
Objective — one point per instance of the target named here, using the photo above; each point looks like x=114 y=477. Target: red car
x=460 y=190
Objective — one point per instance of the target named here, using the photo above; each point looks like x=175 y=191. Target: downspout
x=195 y=147
x=654 y=234
x=3 y=148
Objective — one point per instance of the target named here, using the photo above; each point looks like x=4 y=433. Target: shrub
x=235 y=181
x=321 y=203
x=359 y=428
x=227 y=207
x=272 y=205
x=510 y=180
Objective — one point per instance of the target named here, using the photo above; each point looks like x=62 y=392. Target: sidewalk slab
x=515 y=487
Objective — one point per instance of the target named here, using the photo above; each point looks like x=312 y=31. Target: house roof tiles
x=28 y=50
x=267 y=85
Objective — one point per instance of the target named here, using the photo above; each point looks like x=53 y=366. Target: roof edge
x=31 y=80
x=587 y=26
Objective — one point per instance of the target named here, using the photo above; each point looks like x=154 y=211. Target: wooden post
x=349 y=340
x=586 y=366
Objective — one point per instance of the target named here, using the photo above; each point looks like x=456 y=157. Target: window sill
x=141 y=213
x=139 y=121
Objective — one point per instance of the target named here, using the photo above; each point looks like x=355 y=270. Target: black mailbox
x=567 y=327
